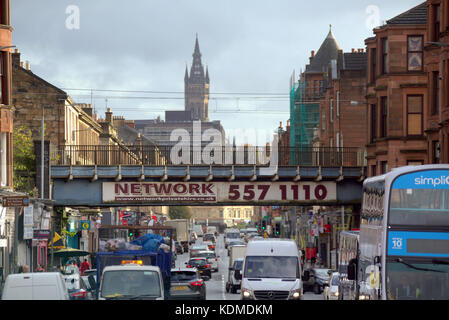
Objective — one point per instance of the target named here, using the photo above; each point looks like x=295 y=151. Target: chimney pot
x=27 y=65
x=353 y=50
x=312 y=53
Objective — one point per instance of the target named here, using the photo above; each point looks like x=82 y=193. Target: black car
x=202 y=265
x=186 y=284
x=315 y=279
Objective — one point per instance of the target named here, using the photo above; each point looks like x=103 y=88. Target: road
x=216 y=287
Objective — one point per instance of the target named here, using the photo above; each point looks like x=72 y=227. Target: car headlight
x=364 y=297
x=295 y=294
x=247 y=294
x=335 y=294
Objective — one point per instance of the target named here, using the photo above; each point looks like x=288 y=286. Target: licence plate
x=202 y=271
x=180 y=288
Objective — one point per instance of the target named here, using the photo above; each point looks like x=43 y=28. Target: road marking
x=223 y=286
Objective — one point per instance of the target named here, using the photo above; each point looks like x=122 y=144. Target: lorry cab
x=271 y=271
x=131 y=281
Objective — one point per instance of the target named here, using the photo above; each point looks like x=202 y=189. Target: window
x=323 y=120
x=414 y=115
x=435 y=151
x=373 y=64
x=384 y=55
x=383 y=117
x=415 y=53
x=2 y=77
x=384 y=167
x=415 y=162
x=436 y=93
x=315 y=87
x=373 y=122
x=331 y=118
x=338 y=103
x=373 y=170
x=321 y=87
x=4 y=159
x=436 y=22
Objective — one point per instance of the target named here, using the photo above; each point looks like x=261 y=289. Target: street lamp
x=6 y=47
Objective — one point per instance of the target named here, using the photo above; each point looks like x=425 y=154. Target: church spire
x=186 y=76
x=207 y=74
x=197 y=47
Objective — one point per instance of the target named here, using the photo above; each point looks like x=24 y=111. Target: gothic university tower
x=196 y=88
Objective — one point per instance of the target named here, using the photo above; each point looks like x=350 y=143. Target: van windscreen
x=271 y=267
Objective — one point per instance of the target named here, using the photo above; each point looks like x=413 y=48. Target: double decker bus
x=404 y=236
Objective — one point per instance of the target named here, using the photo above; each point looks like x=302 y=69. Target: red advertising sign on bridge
x=218 y=192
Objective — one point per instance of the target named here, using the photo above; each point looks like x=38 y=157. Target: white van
x=35 y=286
x=272 y=271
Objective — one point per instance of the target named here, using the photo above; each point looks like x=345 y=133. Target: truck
x=126 y=273
x=182 y=231
x=231 y=234
x=236 y=257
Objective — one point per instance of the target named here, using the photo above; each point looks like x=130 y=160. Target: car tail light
x=207 y=266
x=198 y=283
x=79 y=294
x=216 y=259
x=189 y=266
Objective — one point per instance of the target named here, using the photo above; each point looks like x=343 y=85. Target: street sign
x=15 y=201
x=85 y=224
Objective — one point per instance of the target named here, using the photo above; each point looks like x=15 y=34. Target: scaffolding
x=304 y=118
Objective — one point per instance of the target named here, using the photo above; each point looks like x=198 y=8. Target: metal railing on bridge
x=228 y=155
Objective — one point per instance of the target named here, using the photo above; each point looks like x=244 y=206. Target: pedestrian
x=85 y=265
x=39 y=268
x=26 y=269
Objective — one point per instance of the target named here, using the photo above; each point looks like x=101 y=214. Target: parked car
x=331 y=290
x=235 y=243
x=202 y=265
x=77 y=288
x=209 y=237
x=315 y=279
x=35 y=286
x=211 y=257
x=186 y=284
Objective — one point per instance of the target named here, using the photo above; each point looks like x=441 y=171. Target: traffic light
x=264 y=225
x=131 y=233
x=277 y=229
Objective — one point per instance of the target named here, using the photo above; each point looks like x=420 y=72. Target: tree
x=179 y=213
x=24 y=157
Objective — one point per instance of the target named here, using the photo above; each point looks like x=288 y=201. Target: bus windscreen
x=420 y=198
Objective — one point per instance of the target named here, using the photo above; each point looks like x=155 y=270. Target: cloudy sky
x=131 y=55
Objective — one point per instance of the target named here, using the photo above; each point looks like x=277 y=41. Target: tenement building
x=397 y=92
